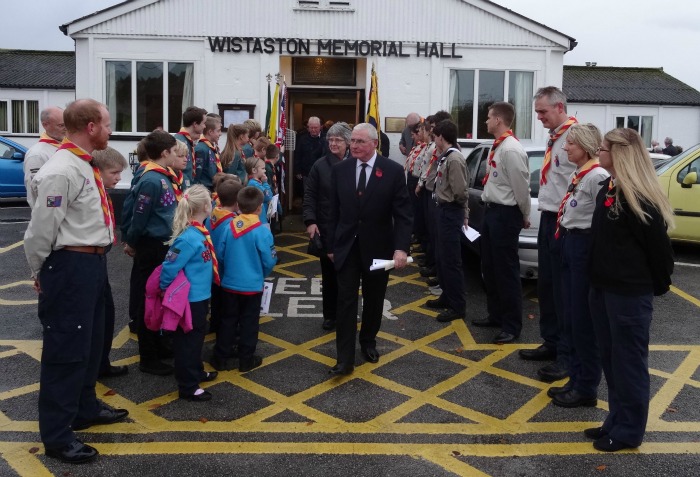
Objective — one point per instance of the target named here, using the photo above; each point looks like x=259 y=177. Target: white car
x=476 y=165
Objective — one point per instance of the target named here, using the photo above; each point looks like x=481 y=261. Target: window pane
x=149 y=96
x=3 y=116
x=33 y=117
x=633 y=122
x=490 y=91
x=180 y=92
x=520 y=96
x=462 y=101
x=647 y=122
x=619 y=122
x=119 y=94
x=17 y=116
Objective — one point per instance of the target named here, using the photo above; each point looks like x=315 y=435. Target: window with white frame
x=488 y=87
x=641 y=124
x=145 y=95
x=19 y=116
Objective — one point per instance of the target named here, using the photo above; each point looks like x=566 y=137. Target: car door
x=476 y=165
x=684 y=194
x=11 y=172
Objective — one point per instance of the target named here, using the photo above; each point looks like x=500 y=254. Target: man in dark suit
x=371 y=217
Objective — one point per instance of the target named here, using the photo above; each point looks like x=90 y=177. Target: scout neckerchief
x=107 y=212
x=432 y=161
x=190 y=144
x=49 y=140
x=415 y=152
x=210 y=249
x=219 y=215
x=491 y=162
x=175 y=179
x=441 y=163
x=609 y=195
x=274 y=176
x=547 y=164
x=216 y=153
x=587 y=167
x=244 y=223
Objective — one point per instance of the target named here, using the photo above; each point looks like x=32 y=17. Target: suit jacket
x=382 y=219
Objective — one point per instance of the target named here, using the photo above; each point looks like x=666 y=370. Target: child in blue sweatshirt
x=192 y=251
x=248 y=255
x=255 y=167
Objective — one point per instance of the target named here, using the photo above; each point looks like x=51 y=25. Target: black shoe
x=486 y=323
x=552 y=372
x=541 y=353
x=504 y=337
x=133 y=328
x=113 y=372
x=340 y=371
x=222 y=364
x=209 y=376
x=554 y=390
x=107 y=415
x=573 y=399
x=328 y=325
x=205 y=396
x=249 y=364
x=608 y=444
x=436 y=303
x=428 y=272
x=370 y=354
x=74 y=453
x=449 y=315
x=595 y=433
x=433 y=282
x=155 y=367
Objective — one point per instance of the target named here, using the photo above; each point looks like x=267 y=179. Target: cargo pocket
x=63 y=345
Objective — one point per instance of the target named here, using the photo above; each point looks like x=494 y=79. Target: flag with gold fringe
x=373 y=109
x=282 y=116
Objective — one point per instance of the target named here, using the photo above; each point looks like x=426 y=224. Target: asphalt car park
x=442 y=400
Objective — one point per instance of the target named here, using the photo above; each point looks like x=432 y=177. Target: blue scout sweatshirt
x=189 y=253
x=153 y=204
x=267 y=197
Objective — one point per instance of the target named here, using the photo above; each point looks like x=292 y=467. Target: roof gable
x=37 y=69
x=469 y=22
x=616 y=85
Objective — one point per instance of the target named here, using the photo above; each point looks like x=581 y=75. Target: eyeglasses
x=335 y=140
x=359 y=141
x=602 y=149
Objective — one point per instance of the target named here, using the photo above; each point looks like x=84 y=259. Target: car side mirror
x=689 y=179
x=18 y=156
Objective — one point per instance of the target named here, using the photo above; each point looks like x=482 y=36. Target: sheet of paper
x=272 y=206
x=380 y=264
x=470 y=233
x=266 y=297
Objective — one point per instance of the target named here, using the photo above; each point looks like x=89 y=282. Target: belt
x=86 y=249
x=493 y=205
x=575 y=231
x=549 y=213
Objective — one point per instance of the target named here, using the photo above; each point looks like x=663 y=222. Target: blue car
x=11 y=170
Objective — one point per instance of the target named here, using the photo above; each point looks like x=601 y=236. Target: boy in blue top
x=247 y=256
x=207 y=154
x=153 y=198
x=257 y=177
x=192 y=126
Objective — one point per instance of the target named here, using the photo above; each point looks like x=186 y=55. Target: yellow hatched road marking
x=11 y=247
x=685 y=296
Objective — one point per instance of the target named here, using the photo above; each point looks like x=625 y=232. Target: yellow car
x=679 y=179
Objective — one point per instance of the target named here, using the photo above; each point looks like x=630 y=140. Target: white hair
x=371 y=130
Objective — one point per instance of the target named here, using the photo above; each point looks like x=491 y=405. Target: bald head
x=412 y=119
x=52 y=122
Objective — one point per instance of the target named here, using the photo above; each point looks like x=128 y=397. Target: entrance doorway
x=327 y=104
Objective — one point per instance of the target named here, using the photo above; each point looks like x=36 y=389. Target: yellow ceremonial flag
x=272 y=126
x=373 y=109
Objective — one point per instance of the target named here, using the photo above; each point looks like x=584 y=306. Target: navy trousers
x=373 y=290
x=450 y=218
x=71 y=311
x=110 y=316
x=622 y=327
x=500 y=266
x=584 y=358
x=187 y=350
x=240 y=321
x=549 y=292
x=428 y=205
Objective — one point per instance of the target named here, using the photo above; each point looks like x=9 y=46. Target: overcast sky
x=649 y=33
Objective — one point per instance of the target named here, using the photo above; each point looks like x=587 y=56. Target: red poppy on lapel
x=378 y=172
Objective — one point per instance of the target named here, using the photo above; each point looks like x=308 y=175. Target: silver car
x=476 y=164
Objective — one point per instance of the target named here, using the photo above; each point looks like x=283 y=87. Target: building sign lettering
x=300 y=46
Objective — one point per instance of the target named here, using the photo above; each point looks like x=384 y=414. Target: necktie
x=362 y=183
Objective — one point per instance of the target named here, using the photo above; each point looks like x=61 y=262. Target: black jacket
x=308 y=151
x=629 y=257
x=381 y=220
x=317 y=195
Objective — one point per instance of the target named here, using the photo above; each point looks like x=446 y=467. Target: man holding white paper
x=507 y=198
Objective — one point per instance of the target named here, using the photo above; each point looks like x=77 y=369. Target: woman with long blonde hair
x=233 y=157
x=631 y=262
x=192 y=251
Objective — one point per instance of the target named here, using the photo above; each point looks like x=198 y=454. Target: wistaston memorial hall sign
x=300 y=46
